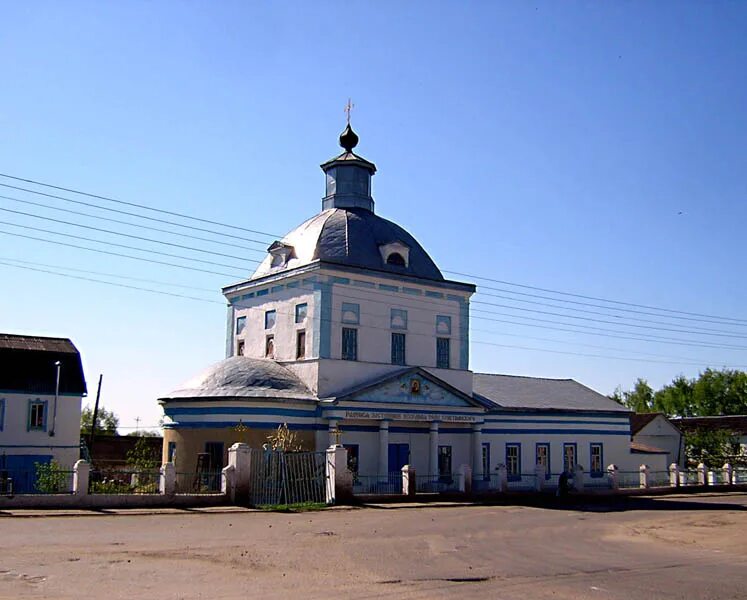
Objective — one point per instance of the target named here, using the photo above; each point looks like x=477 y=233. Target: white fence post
x=81 y=473
x=674 y=475
x=465 y=479
x=167 y=481
x=502 y=478
x=612 y=476
x=578 y=478
x=539 y=477
x=643 y=476
x=240 y=458
x=409 y=478
x=228 y=482
x=727 y=473
x=702 y=479
x=339 y=477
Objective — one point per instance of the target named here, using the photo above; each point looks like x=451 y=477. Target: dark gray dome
x=241 y=376
x=352 y=236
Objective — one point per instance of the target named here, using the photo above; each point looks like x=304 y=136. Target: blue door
x=399 y=456
x=18 y=473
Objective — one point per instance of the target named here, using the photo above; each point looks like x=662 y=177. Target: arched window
x=395 y=258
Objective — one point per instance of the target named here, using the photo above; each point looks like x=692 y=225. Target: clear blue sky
x=595 y=148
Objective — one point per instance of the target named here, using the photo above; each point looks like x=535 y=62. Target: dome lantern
x=348 y=177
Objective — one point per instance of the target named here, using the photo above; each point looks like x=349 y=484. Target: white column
x=167 y=485
x=81 y=472
x=384 y=449
x=477 y=450
x=331 y=428
x=433 y=454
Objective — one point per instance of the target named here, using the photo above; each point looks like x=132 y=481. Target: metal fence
x=287 y=477
x=45 y=479
x=202 y=482
x=378 y=485
x=124 y=481
x=437 y=483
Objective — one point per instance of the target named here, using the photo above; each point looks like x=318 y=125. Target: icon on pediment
x=414 y=386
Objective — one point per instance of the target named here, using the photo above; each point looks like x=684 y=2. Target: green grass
x=294 y=508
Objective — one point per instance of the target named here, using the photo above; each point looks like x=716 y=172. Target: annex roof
x=733 y=423
x=639 y=420
x=538 y=393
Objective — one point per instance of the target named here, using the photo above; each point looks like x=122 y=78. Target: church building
x=349 y=330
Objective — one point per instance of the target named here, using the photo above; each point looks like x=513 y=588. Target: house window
x=270 y=346
x=569 y=457
x=486 y=461
x=398 y=319
x=396 y=259
x=171 y=452
x=240 y=348
x=301 y=310
x=240 y=324
x=2 y=413
x=270 y=316
x=443 y=324
x=301 y=344
x=353 y=450
x=37 y=415
x=542 y=457
x=351 y=313
x=443 y=351
x=398 y=349
x=349 y=343
x=513 y=461
x=596 y=460
x=444 y=463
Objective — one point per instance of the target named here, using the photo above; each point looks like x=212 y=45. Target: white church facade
x=348 y=326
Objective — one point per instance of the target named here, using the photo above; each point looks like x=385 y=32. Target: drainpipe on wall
x=56 y=394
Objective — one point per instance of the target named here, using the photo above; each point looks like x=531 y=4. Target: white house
x=348 y=325
x=41 y=387
x=653 y=433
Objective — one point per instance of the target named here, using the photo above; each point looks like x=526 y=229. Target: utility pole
x=137 y=425
x=95 y=417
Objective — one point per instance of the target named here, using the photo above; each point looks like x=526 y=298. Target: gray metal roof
x=536 y=393
x=37 y=343
x=243 y=377
x=352 y=236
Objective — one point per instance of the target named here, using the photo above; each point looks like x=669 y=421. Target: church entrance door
x=399 y=456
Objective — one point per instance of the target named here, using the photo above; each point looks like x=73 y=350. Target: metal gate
x=287 y=477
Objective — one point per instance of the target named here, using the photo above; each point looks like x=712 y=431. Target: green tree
x=143 y=457
x=106 y=421
x=676 y=398
x=720 y=393
x=639 y=399
x=50 y=478
x=713 y=447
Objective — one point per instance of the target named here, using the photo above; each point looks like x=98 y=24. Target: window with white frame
x=595 y=466
x=569 y=457
x=37 y=415
x=513 y=461
x=542 y=457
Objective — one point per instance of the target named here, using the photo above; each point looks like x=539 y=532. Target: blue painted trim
x=234 y=299
x=340 y=280
x=350 y=307
x=599 y=473
x=36 y=446
x=292 y=284
x=412 y=291
x=516 y=476
x=309 y=280
x=575 y=452
x=559 y=431
x=2 y=413
x=247 y=296
x=276 y=288
x=323 y=320
x=388 y=288
x=262 y=292
x=549 y=460
x=431 y=294
x=364 y=284
x=463 y=334
x=238 y=410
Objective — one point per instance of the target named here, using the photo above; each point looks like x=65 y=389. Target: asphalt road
x=649 y=549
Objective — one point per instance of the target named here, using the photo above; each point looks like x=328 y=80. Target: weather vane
x=348 y=107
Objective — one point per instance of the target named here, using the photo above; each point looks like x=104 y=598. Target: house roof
x=537 y=393
x=243 y=377
x=638 y=448
x=28 y=365
x=734 y=423
x=639 y=420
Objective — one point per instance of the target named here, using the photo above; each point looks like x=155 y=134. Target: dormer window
x=281 y=254
x=396 y=254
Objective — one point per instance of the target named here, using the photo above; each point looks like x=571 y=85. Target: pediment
x=413 y=386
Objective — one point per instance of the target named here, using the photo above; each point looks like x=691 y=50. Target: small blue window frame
x=351 y=313
x=549 y=460
x=514 y=476
x=600 y=472
x=398 y=319
x=443 y=325
x=575 y=455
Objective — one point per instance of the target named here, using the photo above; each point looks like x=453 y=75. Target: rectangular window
x=398 y=319
x=301 y=344
x=301 y=310
x=37 y=415
x=240 y=324
x=353 y=450
x=443 y=324
x=595 y=466
x=349 y=343
x=542 y=457
x=486 y=461
x=398 y=349
x=2 y=413
x=569 y=457
x=513 y=461
x=270 y=346
x=270 y=316
x=240 y=348
x=171 y=452
x=443 y=352
x=444 y=463
x=351 y=313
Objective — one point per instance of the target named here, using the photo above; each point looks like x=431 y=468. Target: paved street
x=664 y=548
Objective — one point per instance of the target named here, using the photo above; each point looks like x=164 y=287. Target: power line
x=135 y=205
x=138 y=225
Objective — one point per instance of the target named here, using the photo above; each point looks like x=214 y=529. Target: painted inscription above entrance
x=407 y=416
